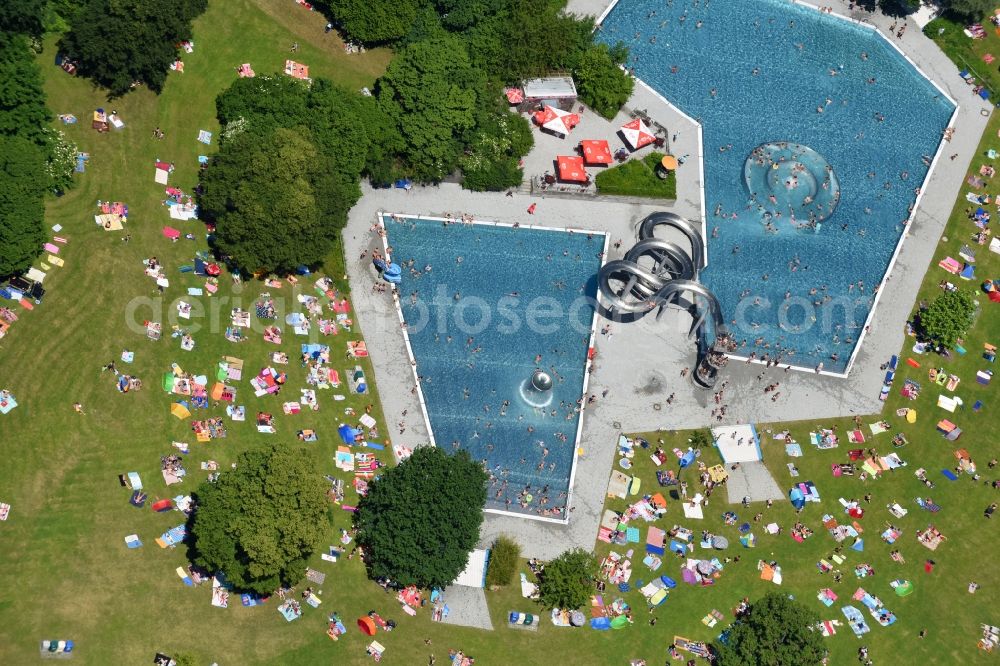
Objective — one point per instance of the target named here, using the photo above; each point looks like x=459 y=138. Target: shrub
x=504 y=556
x=566 y=582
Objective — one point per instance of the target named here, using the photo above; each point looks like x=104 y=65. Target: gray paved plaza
x=640 y=364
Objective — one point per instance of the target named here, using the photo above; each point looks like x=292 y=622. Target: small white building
x=556 y=88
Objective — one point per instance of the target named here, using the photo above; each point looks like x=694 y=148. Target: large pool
x=486 y=306
x=804 y=116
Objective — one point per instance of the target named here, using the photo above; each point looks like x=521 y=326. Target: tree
x=349 y=128
x=22 y=207
x=429 y=92
x=505 y=554
x=421 y=519
x=22 y=98
x=492 y=161
x=566 y=582
x=972 y=10
x=602 y=84
x=23 y=16
x=517 y=39
x=118 y=42
x=260 y=522
x=948 y=317
x=264 y=102
x=269 y=197
x=899 y=7
x=700 y=438
x=374 y=21
x=776 y=631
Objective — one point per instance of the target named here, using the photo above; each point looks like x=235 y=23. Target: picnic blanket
x=878 y=427
x=856 y=620
x=173 y=536
x=693 y=509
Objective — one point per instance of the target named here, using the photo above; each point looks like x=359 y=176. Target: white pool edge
x=587 y=365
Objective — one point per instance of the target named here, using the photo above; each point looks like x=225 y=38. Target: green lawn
x=638 y=178
x=968 y=53
x=67 y=573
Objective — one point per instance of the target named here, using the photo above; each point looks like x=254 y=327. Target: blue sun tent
x=796 y=497
x=347 y=433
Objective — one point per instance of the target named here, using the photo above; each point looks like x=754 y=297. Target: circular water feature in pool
x=537 y=391
x=791 y=183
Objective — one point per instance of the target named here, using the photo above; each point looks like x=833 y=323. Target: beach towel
x=878 y=427
x=951 y=265
x=204 y=136
x=655 y=539
x=794 y=450
x=183 y=575
x=692 y=508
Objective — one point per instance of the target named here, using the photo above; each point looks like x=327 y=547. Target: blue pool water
x=522 y=293
x=756 y=72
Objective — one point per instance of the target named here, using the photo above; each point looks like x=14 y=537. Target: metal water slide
x=655 y=273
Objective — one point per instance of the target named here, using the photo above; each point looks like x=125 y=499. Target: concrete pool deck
x=638 y=384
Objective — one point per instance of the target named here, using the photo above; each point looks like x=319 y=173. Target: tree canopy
x=22 y=98
x=566 y=582
x=969 y=9
x=430 y=92
x=492 y=161
x=22 y=208
x=602 y=84
x=776 y=631
x=441 y=94
x=118 y=42
x=948 y=317
x=420 y=520
x=33 y=157
x=374 y=21
x=260 y=523
x=267 y=195
x=287 y=173
x=22 y=16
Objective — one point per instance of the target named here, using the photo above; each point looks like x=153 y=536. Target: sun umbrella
x=556 y=120
x=720 y=542
x=596 y=151
x=571 y=168
x=704 y=567
x=514 y=95
x=637 y=134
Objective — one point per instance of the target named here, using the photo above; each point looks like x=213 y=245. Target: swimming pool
x=831 y=124
x=486 y=305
